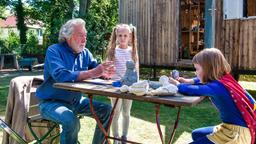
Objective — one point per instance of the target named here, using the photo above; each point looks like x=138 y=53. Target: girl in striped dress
x=122 y=47
x=236 y=106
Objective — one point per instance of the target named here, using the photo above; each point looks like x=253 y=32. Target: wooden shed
x=171 y=32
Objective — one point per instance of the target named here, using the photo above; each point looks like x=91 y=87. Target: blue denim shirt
x=63 y=65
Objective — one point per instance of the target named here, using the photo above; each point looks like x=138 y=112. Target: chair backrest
x=33 y=104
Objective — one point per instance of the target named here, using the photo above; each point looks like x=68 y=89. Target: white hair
x=67 y=29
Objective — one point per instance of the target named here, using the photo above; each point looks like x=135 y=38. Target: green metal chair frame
x=4 y=126
x=33 y=122
x=48 y=134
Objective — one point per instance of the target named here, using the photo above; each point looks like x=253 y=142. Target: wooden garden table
x=107 y=90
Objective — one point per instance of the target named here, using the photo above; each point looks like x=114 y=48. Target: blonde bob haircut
x=213 y=63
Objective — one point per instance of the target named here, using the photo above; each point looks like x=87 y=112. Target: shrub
x=32 y=44
x=10 y=44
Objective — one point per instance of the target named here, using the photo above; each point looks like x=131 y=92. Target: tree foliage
x=2 y=9
x=100 y=16
x=18 y=8
x=32 y=44
x=20 y=14
x=3 y=4
x=53 y=13
x=100 y=19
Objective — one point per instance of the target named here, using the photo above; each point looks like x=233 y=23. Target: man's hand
x=173 y=81
x=106 y=69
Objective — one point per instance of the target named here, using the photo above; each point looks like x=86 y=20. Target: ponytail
x=134 y=46
x=112 y=46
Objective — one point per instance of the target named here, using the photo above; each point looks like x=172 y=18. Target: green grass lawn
x=142 y=125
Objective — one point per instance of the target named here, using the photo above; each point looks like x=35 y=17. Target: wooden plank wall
x=236 y=38
x=157 y=24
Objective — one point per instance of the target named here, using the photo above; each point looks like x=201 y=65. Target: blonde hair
x=67 y=29
x=213 y=63
x=112 y=44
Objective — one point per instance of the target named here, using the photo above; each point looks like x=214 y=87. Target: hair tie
x=131 y=26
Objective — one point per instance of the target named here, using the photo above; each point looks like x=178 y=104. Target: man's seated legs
x=62 y=113
x=65 y=114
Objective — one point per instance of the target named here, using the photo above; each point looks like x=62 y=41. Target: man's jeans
x=65 y=114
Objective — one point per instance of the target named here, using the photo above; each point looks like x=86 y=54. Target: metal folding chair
x=11 y=132
x=36 y=121
x=33 y=131
x=40 y=130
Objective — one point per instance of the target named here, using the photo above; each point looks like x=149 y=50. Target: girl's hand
x=173 y=81
x=185 y=80
x=182 y=80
